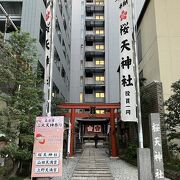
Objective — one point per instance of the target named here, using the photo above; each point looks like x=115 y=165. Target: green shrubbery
x=173 y=165
x=131 y=152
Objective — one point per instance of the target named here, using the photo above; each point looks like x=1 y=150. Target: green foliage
x=172 y=117
x=15 y=178
x=131 y=152
x=174 y=165
x=3 y=171
x=20 y=88
x=55 y=110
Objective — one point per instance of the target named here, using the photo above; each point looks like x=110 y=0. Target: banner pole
x=140 y=131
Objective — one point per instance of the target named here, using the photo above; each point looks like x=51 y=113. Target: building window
x=89 y=28
x=81 y=65
x=89 y=14
x=89 y=43
x=99 y=95
x=42 y=33
x=99 y=78
x=55 y=90
x=139 y=47
x=89 y=74
x=64 y=52
x=63 y=73
x=81 y=80
x=63 y=44
x=56 y=58
x=99 y=2
x=99 y=17
x=88 y=91
x=60 y=6
x=82 y=6
x=64 y=23
x=98 y=111
x=89 y=58
x=81 y=97
x=100 y=31
x=82 y=33
x=100 y=47
x=58 y=30
x=82 y=19
x=99 y=62
x=89 y=1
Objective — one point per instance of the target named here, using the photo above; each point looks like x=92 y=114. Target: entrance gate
x=111 y=115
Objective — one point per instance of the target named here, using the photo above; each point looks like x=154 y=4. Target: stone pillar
x=156 y=146
x=144 y=164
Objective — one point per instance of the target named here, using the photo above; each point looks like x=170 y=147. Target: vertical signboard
x=127 y=77
x=48 y=147
x=48 y=19
x=156 y=147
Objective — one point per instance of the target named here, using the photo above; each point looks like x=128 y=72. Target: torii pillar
x=72 y=120
x=113 y=134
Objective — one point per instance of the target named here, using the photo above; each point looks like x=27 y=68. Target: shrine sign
x=48 y=147
x=127 y=77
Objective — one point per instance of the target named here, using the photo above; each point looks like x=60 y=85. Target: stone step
x=92 y=169
x=92 y=178
x=92 y=166
x=92 y=172
x=92 y=175
x=92 y=162
x=95 y=166
x=95 y=162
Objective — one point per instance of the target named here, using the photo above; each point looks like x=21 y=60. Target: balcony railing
x=92 y=48
x=92 y=81
x=94 y=8
x=93 y=65
x=94 y=23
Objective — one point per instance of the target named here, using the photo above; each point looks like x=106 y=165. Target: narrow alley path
x=92 y=166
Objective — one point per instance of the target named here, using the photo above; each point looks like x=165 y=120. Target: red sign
x=48 y=147
x=97 y=128
x=94 y=129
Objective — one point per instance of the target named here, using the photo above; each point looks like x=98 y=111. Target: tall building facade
x=159 y=43
x=29 y=16
x=94 y=52
x=159 y=47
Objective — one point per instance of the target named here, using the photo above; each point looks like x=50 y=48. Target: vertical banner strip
x=127 y=77
x=48 y=19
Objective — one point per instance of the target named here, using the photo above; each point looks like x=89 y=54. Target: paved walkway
x=95 y=164
x=92 y=166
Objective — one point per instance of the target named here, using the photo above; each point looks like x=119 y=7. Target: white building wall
x=112 y=58
x=76 y=56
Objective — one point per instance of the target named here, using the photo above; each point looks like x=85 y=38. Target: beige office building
x=159 y=42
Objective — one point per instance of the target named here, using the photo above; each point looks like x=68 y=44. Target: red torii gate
x=111 y=115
